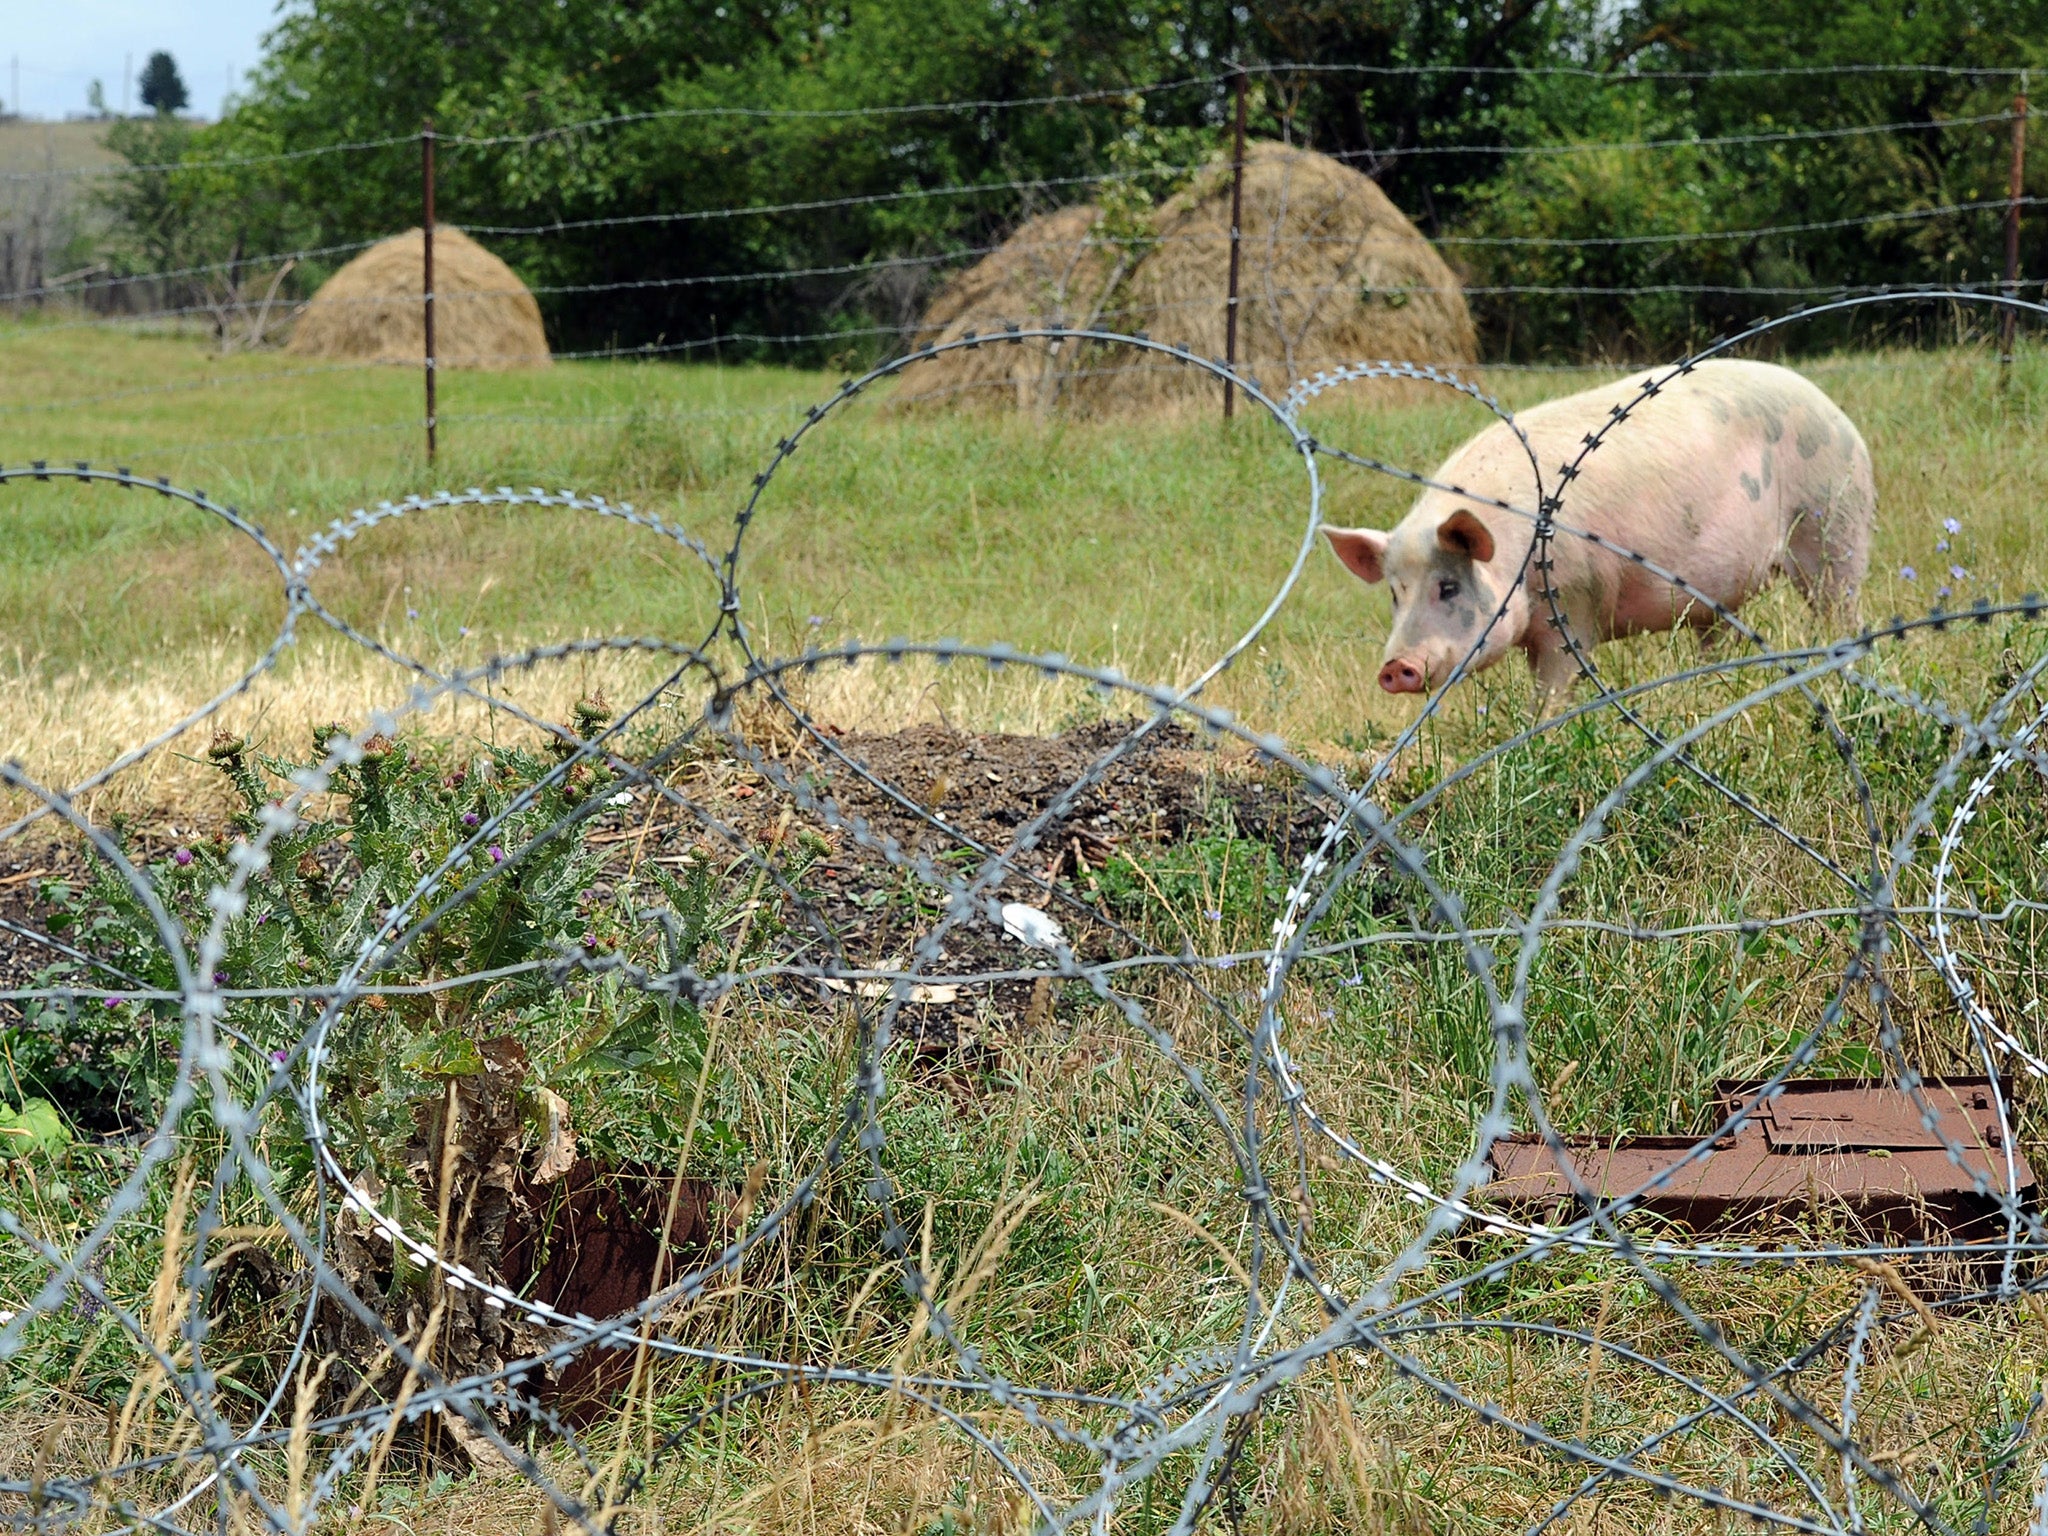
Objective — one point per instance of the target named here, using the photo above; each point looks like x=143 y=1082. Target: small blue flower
x=1213 y=915
x=815 y=620
x=412 y=613
x=1940 y=592
x=1908 y=572
x=1941 y=545
x=1950 y=525
x=1959 y=573
x=1225 y=963
x=464 y=631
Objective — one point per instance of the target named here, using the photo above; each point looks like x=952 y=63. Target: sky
x=62 y=46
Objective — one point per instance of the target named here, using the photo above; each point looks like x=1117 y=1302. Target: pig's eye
x=1446 y=590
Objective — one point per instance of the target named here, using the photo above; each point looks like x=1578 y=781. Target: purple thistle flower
x=280 y=1057
x=181 y=857
x=590 y=941
x=469 y=818
x=497 y=854
x=1908 y=572
x=1950 y=525
x=113 y=1002
x=220 y=978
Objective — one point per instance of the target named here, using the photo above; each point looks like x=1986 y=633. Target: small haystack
x=371 y=310
x=1055 y=270
x=1330 y=272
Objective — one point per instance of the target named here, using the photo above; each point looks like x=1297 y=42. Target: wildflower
x=220 y=978
x=1941 y=592
x=1950 y=525
x=590 y=941
x=464 y=631
x=1214 y=916
x=1225 y=963
x=469 y=818
x=1958 y=573
x=1908 y=572
x=113 y=1002
x=1941 y=545
x=497 y=854
x=181 y=857
x=280 y=1057
x=815 y=620
x=412 y=613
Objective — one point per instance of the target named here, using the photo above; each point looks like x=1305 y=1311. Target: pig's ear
x=1463 y=534
x=1363 y=551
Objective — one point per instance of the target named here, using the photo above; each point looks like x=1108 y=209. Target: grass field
x=1106 y=1211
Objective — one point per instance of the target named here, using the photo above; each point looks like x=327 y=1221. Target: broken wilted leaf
x=558 y=1140
x=941 y=992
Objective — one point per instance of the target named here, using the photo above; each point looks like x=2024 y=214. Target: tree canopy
x=163 y=89
x=1519 y=133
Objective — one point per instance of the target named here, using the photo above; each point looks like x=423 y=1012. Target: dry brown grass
x=1331 y=272
x=372 y=309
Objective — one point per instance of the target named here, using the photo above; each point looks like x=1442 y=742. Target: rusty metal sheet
x=1851 y=1143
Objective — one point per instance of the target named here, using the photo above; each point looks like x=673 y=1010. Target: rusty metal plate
x=1840 y=1142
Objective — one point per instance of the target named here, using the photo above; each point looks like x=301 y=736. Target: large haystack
x=1330 y=272
x=372 y=309
x=1055 y=270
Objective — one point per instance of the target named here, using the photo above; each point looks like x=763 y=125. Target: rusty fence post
x=427 y=266
x=1236 y=217
x=2015 y=194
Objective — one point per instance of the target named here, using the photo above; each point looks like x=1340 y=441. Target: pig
x=1729 y=475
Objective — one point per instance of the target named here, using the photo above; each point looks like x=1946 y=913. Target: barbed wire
x=253 y=1123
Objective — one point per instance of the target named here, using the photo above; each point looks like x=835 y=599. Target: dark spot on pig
x=1768 y=456
x=1754 y=491
x=1774 y=426
x=1810 y=438
x=1689 y=520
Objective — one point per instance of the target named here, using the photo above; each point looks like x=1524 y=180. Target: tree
x=163 y=91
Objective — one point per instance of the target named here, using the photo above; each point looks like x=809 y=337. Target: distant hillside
x=49 y=217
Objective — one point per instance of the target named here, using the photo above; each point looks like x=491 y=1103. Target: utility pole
x=1236 y=218
x=427 y=269
x=2015 y=195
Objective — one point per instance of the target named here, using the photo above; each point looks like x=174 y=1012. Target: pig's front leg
x=1555 y=671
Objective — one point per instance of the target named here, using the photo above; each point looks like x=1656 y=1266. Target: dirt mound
x=372 y=309
x=1330 y=272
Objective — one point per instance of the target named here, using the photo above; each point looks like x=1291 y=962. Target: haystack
x=1055 y=270
x=372 y=309
x=1330 y=272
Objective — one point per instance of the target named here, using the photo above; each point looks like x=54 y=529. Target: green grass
x=1148 y=545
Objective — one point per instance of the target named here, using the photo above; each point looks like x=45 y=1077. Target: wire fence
x=259 y=1137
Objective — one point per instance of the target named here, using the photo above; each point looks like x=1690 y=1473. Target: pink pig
x=1731 y=474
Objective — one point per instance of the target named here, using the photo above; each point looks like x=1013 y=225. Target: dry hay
x=1330 y=272
x=371 y=309
x=1056 y=270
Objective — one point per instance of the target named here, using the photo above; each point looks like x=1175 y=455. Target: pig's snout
x=1401 y=676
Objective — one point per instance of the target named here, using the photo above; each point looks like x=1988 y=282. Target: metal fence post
x=1236 y=217
x=2015 y=193
x=427 y=267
